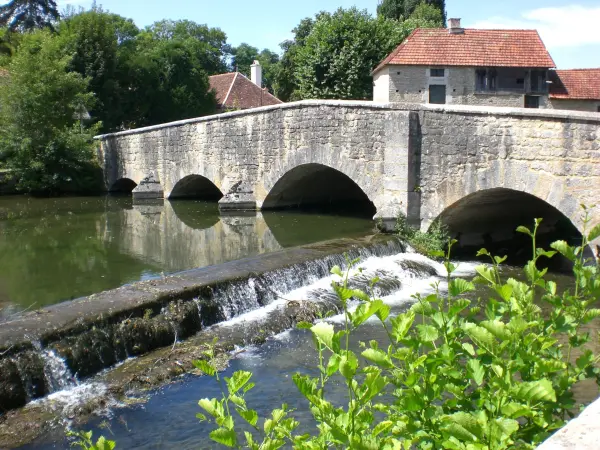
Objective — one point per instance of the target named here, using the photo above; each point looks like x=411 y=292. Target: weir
x=46 y=351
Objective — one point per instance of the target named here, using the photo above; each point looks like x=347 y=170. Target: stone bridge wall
x=418 y=159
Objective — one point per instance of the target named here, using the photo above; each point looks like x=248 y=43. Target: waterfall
x=242 y=296
x=56 y=372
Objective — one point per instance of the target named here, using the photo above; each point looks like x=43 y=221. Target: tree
x=24 y=15
x=91 y=37
x=167 y=81
x=285 y=86
x=209 y=45
x=341 y=50
x=243 y=57
x=403 y=9
x=42 y=129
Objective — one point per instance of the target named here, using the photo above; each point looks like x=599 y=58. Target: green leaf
x=469 y=348
x=482 y=337
x=534 y=391
x=401 y=325
x=457 y=306
x=497 y=328
x=304 y=325
x=378 y=357
x=323 y=332
x=224 y=436
x=564 y=249
x=427 y=333
x=515 y=410
x=524 y=230
x=335 y=270
x=205 y=367
x=505 y=291
x=476 y=371
x=594 y=233
x=210 y=406
x=463 y=426
x=249 y=416
x=458 y=286
x=238 y=380
x=348 y=364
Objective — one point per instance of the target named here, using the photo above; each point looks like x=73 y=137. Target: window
x=598 y=108
x=436 y=72
x=532 y=101
x=480 y=80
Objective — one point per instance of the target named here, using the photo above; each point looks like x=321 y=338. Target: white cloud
x=565 y=26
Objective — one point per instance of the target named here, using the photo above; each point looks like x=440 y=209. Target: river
x=57 y=249
x=54 y=249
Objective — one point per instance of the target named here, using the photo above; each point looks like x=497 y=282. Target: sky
x=569 y=29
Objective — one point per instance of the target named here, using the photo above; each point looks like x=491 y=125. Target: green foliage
x=243 y=57
x=337 y=56
x=26 y=15
x=403 y=9
x=432 y=243
x=42 y=138
x=494 y=374
x=84 y=441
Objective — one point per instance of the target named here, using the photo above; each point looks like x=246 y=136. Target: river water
x=52 y=250
x=166 y=418
x=55 y=249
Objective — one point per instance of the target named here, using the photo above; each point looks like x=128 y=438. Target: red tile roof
x=235 y=91
x=576 y=84
x=491 y=48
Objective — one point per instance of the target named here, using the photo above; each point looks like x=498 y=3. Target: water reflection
x=53 y=250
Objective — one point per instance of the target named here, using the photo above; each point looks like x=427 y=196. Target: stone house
x=235 y=91
x=576 y=89
x=466 y=66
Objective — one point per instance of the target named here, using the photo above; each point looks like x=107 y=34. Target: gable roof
x=473 y=48
x=575 y=84
x=234 y=90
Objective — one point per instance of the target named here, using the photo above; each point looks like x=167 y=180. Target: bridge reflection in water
x=57 y=249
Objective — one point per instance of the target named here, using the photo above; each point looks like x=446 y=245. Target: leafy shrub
x=41 y=138
x=430 y=243
x=456 y=374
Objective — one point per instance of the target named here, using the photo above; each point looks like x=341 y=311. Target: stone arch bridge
x=473 y=166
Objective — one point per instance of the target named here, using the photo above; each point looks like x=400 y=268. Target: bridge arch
x=196 y=186
x=489 y=218
x=122 y=186
x=318 y=187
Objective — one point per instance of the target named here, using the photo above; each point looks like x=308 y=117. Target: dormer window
x=437 y=73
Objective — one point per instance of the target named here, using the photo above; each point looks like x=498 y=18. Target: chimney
x=454 y=26
x=256 y=73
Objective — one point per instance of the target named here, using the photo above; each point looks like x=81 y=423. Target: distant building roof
x=575 y=84
x=233 y=90
x=471 y=47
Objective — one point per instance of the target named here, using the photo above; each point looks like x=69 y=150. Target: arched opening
x=489 y=218
x=319 y=188
x=197 y=187
x=123 y=186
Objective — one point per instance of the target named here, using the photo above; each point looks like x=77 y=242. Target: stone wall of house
x=410 y=84
x=381 y=86
x=575 y=105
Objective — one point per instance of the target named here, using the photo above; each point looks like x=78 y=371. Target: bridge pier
x=239 y=198
x=148 y=188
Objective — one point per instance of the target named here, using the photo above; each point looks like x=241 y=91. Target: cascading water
x=56 y=372
x=241 y=297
